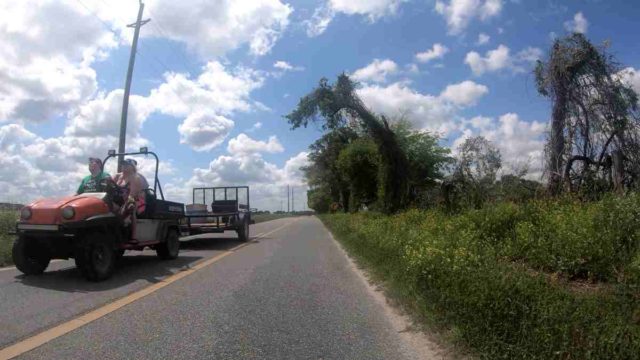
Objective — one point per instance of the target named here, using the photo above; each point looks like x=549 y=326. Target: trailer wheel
x=169 y=249
x=27 y=260
x=96 y=258
x=243 y=231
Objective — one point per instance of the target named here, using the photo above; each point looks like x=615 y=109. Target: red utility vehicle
x=85 y=228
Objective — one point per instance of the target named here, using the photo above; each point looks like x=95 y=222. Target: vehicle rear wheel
x=169 y=249
x=243 y=231
x=26 y=257
x=97 y=258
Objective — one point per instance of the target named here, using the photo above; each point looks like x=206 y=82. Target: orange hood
x=49 y=211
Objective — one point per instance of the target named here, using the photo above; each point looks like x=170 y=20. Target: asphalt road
x=289 y=295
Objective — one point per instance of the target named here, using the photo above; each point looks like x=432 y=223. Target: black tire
x=243 y=231
x=96 y=258
x=26 y=259
x=170 y=248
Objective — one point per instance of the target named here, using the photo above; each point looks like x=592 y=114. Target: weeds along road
x=288 y=294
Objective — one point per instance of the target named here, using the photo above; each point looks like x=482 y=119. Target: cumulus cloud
x=631 y=77
x=520 y=142
x=501 y=58
x=285 y=66
x=203 y=131
x=436 y=52
x=483 y=39
x=213 y=28
x=45 y=65
x=215 y=90
x=206 y=102
x=377 y=71
x=243 y=144
x=244 y=165
x=256 y=126
x=579 y=24
x=465 y=93
x=101 y=115
x=373 y=10
x=425 y=111
x=493 y=60
x=460 y=13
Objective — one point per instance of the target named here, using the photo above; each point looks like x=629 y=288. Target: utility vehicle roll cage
x=143 y=151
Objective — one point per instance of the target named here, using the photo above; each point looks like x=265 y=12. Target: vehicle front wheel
x=169 y=249
x=96 y=258
x=26 y=257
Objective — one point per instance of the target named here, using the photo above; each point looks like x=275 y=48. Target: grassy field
x=542 y=280
x=7 y=223
x=258 y=218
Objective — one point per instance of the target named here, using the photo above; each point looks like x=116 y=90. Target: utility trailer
x=230 y=210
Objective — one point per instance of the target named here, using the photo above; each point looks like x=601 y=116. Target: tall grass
x=7 y=223
x=490 y=274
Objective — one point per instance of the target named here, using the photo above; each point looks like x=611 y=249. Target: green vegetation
x=7 y=223
x=258 y=218
x=514 y=281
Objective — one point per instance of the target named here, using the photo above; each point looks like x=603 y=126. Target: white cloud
x=465 y=93
x=256 y=126
x=204 y=131
x=377 y=71
x=285 y=66
x=372 y=9
x=268 y=182
x=520 y=142
x=214 y=90
x=436 y=52
x=460 y=13
x=493 y=60
x=500 y=58
x=243 y=144
x=212 y=28
x=44 y=64
x=319 y=22
x=483 y=39
x=579 y=24
x=629 y=75
x=101 y=116
x=424 y=111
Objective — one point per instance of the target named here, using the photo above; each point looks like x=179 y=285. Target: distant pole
x=288 y=201
x=127 y=86
x=293 y=200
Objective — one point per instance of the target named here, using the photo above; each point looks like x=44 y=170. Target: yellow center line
x=44 y=337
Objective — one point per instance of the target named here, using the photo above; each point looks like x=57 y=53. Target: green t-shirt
x=93 y=184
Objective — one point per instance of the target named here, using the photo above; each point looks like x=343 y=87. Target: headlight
x=68 y=213
x=25 y=213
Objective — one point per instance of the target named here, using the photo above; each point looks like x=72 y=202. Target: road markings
x=65 y=328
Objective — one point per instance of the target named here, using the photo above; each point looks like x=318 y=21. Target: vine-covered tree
x=358 y=164
x=474 y=174
x=337 y=106
x=327 y=183
x=594 y=124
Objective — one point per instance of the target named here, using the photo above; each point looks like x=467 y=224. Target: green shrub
x=475 y=273
x=7 y=223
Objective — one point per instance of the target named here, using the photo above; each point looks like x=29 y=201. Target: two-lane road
x=289 y=294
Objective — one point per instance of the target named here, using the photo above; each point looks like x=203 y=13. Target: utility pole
x=293 y=201
x=288 y=209
x=127 y=87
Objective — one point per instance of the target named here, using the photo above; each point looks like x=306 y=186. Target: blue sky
x=208 y=72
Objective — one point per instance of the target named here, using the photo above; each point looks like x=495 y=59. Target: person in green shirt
x=97 y=181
